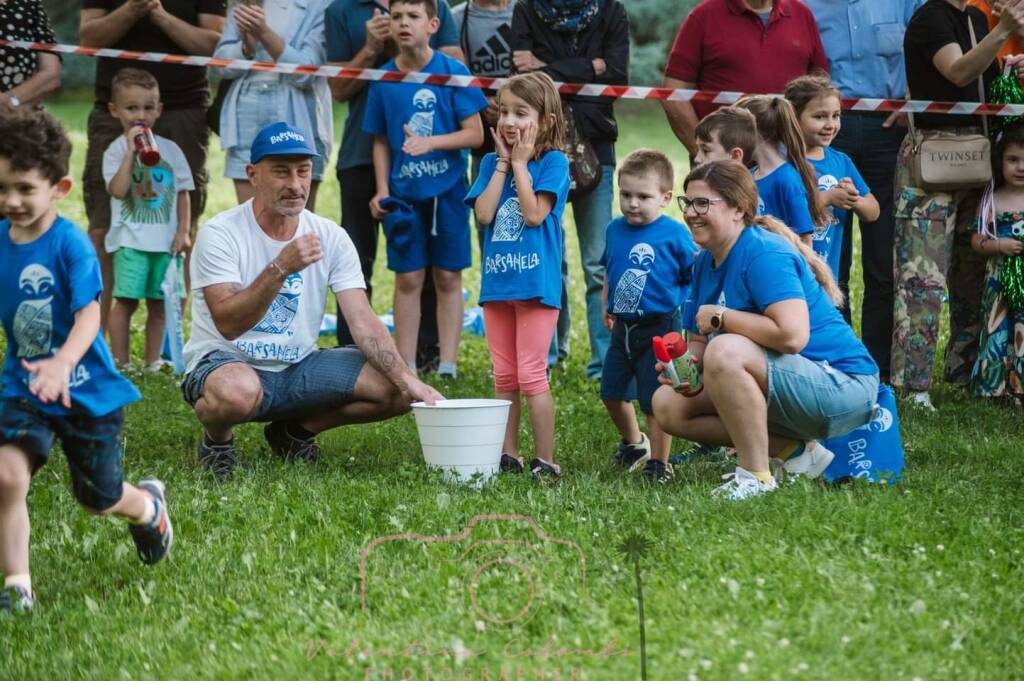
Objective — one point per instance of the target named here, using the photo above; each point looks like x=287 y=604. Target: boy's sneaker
x=633 y=456
x=742 y=484
x=153 y=540
x=542 y=470
x=700 y=452
x=218 y=457
x=657 y=472
x=811 y=463
x=289 y=447
x=16 y=600
x=511 y=464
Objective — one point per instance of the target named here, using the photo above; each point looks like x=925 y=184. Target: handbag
x=943 y=161
x=584 y=167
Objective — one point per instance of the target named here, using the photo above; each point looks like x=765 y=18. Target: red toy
x=670 y=348
x=145 y=145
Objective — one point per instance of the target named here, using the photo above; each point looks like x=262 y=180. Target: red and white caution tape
x=588 y=89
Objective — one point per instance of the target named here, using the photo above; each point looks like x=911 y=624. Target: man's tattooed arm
x=372 y=338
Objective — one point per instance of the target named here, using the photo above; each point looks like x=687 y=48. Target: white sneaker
x=742 y=484
x=811 y=464
x=921 y=400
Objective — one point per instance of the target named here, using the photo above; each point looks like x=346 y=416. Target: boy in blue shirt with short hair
x=648 y=257
x=59 y=380
x=421 y=133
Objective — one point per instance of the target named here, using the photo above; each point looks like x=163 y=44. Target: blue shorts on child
x=431 y=231
x=631 y=356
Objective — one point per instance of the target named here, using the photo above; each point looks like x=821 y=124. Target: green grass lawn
x=918 y=581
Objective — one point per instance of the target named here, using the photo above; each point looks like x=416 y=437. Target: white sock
x=150 y=513
x=24 y=581
x=447 y=368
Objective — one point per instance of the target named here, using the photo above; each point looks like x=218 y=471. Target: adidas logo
x=495 y=57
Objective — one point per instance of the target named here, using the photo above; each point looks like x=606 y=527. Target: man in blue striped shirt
x=863 y=41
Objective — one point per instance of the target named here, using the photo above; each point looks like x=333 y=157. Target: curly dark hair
x=35 y=140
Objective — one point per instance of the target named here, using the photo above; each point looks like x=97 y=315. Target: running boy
x=58 y=378
x=648 y=257
x=149 y=208
x=421 y=133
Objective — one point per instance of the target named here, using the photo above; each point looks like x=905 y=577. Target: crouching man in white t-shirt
x=260 y=274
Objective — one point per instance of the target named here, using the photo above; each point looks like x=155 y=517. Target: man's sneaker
x=16 y=599
x=811 y=463
x=218 y=458
x=511 y=464
x=288 y=447
x=742 y=484
x=657 y=472
x=153 y=540
x=633 y=456
x=700 y=452
x=542 y=470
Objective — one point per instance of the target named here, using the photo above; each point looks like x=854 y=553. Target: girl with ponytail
x=781 y=367
x=786 y=183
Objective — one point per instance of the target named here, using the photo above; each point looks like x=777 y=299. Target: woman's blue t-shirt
x=828 y=239
x=428 y=110
x=44 y=283
x=648 y=267
x=523 y=262
x=781 y=194
x=762 y=269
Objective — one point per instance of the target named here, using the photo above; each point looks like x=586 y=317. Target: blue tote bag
x=873 y=451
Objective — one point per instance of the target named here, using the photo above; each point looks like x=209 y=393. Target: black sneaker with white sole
x=657 y=472
x=542 y=470
x=154 y=539
x=290 y=448
x=218 y=457
x=511 y=464
x=633 y=456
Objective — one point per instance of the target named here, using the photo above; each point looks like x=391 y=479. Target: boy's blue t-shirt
x=45 y=283
x=830 y=170
x=781 y=194
x=523 y=262
x=428 y=110
x=648 y=267
x=762 y=269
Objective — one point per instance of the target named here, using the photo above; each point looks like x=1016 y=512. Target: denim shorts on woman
x=92 y=447
x=810 y=400
x=259 y=102
x=323 y=381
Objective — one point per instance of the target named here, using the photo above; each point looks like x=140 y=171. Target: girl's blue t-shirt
x=781 y=194
x=45 y=283
x=523 y=262
x=648 y=267
x=763 y=269
x=428 y=110
x=828 y=239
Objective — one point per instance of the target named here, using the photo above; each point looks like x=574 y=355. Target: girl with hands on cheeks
x=518 y=198
x=781 y=369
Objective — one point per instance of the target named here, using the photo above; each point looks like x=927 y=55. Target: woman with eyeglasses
x=781 y=369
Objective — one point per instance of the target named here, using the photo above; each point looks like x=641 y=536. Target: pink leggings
x=518 y=336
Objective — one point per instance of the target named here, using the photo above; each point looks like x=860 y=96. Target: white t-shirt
x=146 y=219
x=232 y=248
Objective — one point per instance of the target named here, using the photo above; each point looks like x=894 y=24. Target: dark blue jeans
x=873 y=150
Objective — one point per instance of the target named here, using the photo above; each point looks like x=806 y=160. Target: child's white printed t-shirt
x=146 y=219
x=232 y=248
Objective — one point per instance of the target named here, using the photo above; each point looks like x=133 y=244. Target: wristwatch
x=718 y=319
x=13 y=99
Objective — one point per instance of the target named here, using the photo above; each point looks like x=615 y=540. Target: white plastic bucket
x=463 y=437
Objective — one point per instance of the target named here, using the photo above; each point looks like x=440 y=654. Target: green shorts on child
x=139 y=274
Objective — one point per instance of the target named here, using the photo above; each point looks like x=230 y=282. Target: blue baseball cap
x=279 y=139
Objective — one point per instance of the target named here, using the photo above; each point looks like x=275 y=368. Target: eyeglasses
x=701 y=205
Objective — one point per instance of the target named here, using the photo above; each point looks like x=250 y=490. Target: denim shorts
x=325 y=380
x=629 y=363
x=810 y=400
x=438 y=234
x=92 y=447
x=259 y=106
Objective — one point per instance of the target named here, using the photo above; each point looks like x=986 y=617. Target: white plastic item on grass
x=463 y=437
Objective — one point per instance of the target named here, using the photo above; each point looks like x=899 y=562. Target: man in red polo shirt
x=754 y=46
